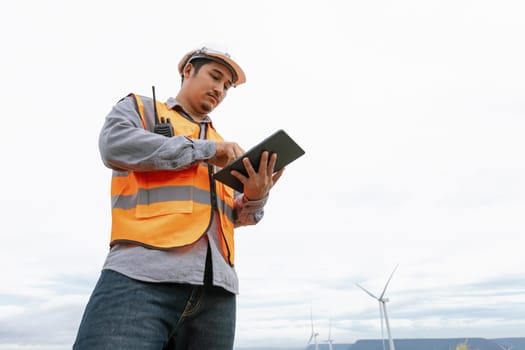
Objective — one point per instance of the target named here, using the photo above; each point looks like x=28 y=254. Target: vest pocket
x=164 y=208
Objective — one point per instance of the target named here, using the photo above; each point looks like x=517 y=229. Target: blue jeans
x=124 y=313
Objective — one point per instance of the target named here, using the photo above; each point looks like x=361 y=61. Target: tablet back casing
x=279 y=142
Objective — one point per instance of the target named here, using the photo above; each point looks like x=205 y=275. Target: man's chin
x=207 y=107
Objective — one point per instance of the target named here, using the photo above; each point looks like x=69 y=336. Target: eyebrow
x=217 y=71
x=221 y=74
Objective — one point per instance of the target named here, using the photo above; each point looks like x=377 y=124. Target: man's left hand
x=257 y=184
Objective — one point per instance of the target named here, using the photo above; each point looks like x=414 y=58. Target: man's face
x=206 y=89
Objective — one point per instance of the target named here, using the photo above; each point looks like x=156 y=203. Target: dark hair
x=197 y=64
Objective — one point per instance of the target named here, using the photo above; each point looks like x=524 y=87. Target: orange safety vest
x=166 y=209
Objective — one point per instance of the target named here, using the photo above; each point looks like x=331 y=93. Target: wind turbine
x=382 y=310
x=330 y=340
x=314 y=334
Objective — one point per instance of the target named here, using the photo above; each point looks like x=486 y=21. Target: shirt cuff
x=254 y=204
x=249 y=212
x=204 y=149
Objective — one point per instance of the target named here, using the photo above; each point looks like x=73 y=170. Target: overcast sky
x=412 y=116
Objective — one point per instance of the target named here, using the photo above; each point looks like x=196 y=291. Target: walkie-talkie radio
x=162 y=126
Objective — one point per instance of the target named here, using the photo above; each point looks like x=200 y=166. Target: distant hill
x=419 y=344
x=428 y=344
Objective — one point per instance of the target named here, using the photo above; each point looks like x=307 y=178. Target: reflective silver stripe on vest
x=225 y=209
x=160 y=194
x=166 y=194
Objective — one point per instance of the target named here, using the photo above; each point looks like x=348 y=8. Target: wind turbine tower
x=382 y=310
x=314 y=334
x=330 y=340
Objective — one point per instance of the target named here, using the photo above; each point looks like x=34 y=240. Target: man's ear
x=187 y=71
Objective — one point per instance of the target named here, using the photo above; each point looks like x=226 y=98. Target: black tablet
x=279 y=142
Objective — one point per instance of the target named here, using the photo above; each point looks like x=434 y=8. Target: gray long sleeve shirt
x=126 y=146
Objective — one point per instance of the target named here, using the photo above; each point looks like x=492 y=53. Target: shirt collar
x=172 y=103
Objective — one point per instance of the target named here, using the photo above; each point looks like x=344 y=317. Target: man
x=169 y=281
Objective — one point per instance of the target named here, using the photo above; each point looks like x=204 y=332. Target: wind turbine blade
x=310 y=340
x=386 y=285
x=366 y=291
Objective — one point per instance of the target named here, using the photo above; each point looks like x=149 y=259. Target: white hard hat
x=217 y=56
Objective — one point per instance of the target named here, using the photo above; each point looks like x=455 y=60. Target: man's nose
x=218 y=90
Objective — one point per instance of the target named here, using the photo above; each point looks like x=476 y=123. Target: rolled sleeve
x=249 y=212
x=125 y=145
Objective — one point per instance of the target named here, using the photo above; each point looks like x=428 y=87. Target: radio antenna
x=155 y=105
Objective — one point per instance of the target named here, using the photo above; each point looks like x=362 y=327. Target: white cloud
x=411 y=115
